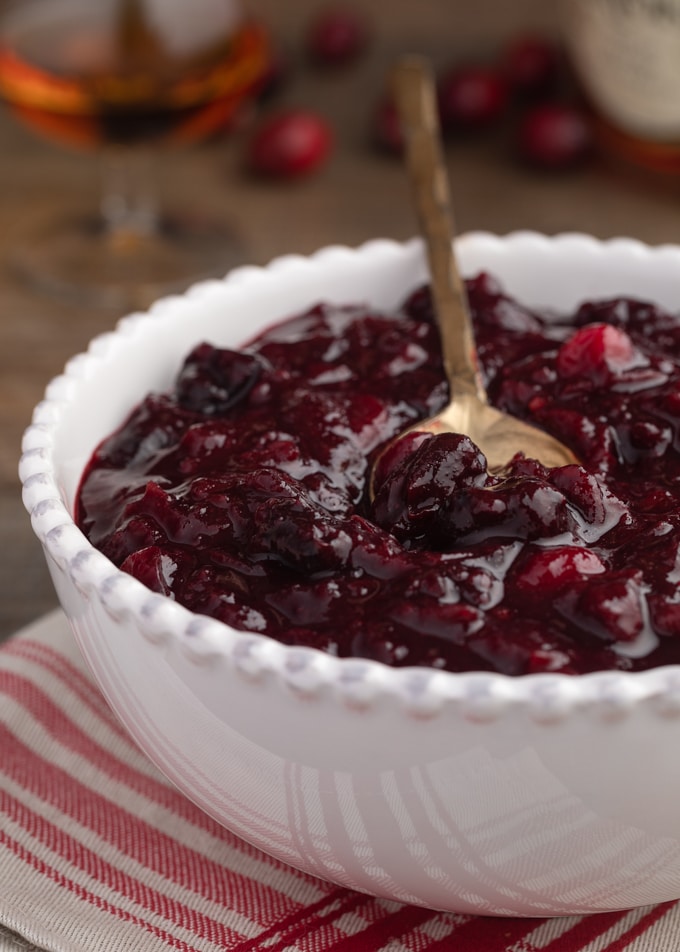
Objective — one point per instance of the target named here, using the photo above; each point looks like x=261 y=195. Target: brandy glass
x=125 y=79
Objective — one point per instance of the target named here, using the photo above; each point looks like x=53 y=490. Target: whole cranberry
x=531 y=65
x=336 y=35
x=598 y=352
x=289 y=144
x=554 y=136
x=470 y=97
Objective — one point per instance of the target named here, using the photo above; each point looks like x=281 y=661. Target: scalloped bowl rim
x=159 y=618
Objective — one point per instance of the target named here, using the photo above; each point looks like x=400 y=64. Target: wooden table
x=359 y=195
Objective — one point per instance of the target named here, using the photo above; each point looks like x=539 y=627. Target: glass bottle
x=626 y=56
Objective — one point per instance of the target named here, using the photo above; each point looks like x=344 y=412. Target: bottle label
x=627 y=56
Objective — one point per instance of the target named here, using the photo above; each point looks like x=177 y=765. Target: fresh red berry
x=470 y=97
x=597 y=352
x=554 y=136
x=531 y=65
x=336 y=35
x=289 y=144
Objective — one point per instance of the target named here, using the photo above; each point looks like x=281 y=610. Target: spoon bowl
x=499 y=436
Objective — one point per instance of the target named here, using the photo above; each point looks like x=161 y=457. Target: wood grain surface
x=360 y=194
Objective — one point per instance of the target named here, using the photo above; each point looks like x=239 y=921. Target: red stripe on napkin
x=308 y=922
x=584 y=932
x=377 y=935
x=69 y=675
x=487 y=934
x=75 y=737
x=44 y=869
x=150 y=847
x=640 y=927
x=84 y=859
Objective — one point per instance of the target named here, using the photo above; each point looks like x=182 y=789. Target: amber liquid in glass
x=86 y=74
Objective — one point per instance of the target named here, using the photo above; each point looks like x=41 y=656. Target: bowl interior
x=146 y=351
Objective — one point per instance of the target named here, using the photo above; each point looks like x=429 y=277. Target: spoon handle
x=413 y=89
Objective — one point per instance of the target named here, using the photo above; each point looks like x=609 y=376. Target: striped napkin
x=99 y=853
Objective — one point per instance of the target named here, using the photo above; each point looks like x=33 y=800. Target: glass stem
x=129 y=204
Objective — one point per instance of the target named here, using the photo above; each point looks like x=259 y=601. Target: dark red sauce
x=243 y=492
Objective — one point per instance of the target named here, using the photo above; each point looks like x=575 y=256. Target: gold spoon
x=498 y=435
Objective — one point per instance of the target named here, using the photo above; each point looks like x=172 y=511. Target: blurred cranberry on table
x=470 y=97
x=554 y=136
x=531 y=65
x=289 y=144
x=386 y=130
x=336 y=35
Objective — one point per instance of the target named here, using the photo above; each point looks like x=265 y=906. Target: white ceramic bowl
x=538 y=795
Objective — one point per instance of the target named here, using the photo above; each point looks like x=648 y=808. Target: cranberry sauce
x=242 y=494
